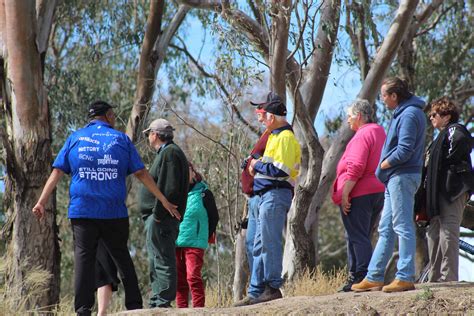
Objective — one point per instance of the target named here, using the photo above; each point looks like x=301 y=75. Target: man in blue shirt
x=99 y=158
x=399 y=169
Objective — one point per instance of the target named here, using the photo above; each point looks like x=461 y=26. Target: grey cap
x=159 y=125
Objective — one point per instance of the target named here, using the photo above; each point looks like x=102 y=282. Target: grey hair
x=364 y=108
x=278 y=118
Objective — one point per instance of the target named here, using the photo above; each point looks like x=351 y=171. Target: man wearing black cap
x=275 y=176
x=170 y=171
x=99 y=158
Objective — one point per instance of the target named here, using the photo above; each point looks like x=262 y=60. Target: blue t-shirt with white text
x=98 y=158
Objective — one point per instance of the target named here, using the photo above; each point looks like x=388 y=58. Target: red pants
x=189 y=265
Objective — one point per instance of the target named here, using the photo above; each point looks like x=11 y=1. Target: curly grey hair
x=365 y=109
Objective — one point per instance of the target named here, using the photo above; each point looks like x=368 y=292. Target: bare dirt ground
x=456 y=298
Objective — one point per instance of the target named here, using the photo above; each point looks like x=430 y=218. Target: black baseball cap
x=99 y=108
x=273 y=104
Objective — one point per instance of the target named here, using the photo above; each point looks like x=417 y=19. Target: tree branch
x=219 y=83
x=239 y=20
x=318 y=71
x=369 y=90
x=300 y=34
x=281 y=14
x=199 y=132
x=44 y=15
x=436 y=21
x=152 y=56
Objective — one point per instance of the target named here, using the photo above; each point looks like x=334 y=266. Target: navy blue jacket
x=404 y=146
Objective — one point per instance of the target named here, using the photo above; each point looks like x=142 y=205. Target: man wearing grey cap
x=171 y=173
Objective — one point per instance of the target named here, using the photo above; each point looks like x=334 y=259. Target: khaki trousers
x=443 y=240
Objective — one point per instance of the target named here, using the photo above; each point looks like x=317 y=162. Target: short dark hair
x=99 y=108
x=397 y=86
x=165 y=137
x=443 y=106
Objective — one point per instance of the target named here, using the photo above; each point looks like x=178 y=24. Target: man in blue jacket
x=400 y=170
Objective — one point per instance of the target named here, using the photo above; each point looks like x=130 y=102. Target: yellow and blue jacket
x=280 y=164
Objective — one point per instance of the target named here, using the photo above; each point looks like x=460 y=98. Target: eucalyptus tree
x=24 y=32
x=301 y=70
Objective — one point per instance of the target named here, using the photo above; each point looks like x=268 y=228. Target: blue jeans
x=268 y=246
x=252 y=207
x=396 y=221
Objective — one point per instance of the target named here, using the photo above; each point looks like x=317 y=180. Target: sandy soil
x=427 y=299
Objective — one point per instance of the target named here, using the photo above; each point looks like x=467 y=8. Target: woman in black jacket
x=447 y=173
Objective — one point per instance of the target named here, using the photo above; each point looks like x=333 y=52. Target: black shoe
x=269 y=294
x=347 y=286
x=245 y=301
x=350 y=281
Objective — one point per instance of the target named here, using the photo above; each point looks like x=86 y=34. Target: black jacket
x=447 y=170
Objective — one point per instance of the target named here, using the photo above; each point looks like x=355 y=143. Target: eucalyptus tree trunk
x=32 y=245
x=241 y=270
x=300 y=248
x=153 y=53
x=369 y=90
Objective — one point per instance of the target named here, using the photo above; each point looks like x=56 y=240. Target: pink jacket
x=359 y=161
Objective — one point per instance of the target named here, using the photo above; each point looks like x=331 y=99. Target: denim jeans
x=396 y=221
x=252 y=207
x=268 y=246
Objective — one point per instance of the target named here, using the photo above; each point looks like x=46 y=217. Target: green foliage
x=93 y=55
x=426 y=295
x=445 y=56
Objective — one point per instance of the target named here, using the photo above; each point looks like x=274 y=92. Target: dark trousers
x=161 y=248
x=358 y=223
x=114 y=234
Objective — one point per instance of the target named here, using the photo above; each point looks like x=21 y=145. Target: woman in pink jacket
x=357 y=191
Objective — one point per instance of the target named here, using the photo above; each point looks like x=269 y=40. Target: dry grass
x=35 y=282
x=308 y=283
x=213 y=299
x=314 y=283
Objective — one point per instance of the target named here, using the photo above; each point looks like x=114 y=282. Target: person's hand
x=251 y=171
x=345 y=205
x=38 y=210
x=252 y=163
x=172 y=209
x=384 y=165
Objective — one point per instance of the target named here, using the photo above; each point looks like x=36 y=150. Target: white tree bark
x=300 y=250
x=32 y=244
x=369 y=91
x=45 y=15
